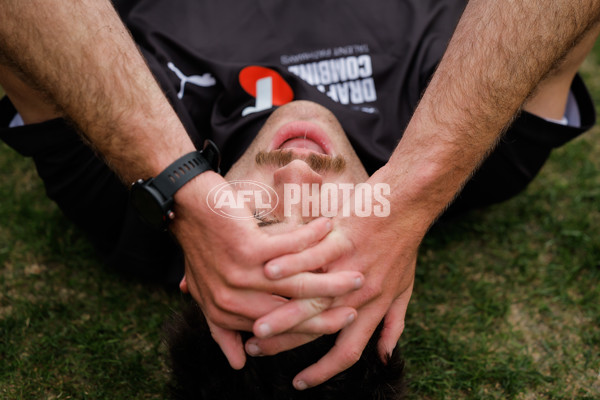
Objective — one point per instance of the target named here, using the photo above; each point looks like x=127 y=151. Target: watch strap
x=185 y=168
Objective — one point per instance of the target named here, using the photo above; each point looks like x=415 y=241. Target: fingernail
x=264 y=330
x=253 y=349
x=300 y=385
x=350 y=318
x=358 y=282
x=274 y=271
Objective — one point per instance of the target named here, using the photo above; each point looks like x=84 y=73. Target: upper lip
x=301 y=129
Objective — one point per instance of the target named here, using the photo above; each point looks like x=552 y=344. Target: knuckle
x=225 y=300
x=345 y=246
x=342 y=243
x=214 y=315
x=350 y=357
x=320 y=303
x=315 y=305
x=220 y=320
x=247 y=252
x=370 y=291
x=301 y=287
x=244 y=252
x=236 y=277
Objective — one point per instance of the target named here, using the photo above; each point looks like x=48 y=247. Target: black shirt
x=367 y=62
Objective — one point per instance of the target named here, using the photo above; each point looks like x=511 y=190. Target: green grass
x=68 y=328
x=506 y=302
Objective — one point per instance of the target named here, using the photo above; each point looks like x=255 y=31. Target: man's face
x=300 y=143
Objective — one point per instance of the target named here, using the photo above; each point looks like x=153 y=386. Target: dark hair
x=201 y=371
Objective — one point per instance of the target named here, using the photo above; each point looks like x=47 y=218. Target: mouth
x=302 y=137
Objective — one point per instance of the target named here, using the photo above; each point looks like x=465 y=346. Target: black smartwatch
x=153 y=198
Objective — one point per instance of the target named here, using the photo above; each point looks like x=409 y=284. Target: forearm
x=497 y=56
x=82 y=58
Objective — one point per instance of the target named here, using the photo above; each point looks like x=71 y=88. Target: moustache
x=317 y=162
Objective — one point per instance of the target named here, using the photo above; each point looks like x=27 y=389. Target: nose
x=298 y=188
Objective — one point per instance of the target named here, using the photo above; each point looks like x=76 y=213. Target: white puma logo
x=204 y=80
x=264 y=96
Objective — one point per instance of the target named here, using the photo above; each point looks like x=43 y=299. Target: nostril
x=298 y=172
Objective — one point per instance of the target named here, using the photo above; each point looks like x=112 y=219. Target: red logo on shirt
x=266 y=86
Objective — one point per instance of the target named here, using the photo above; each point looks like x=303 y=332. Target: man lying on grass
x=225 y=67
x=299 y=167
x=300 y=151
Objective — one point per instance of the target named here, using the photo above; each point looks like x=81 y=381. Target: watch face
x=149 y=205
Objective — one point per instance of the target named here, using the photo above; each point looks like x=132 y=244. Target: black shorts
x=92 y=196
x=521 y=153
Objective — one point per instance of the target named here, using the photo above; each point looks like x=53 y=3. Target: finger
x=393 y=325
x=222 y=309
x=266 y=347
x=308 y=284
x=331 y=248
x=326 y=323
x=346 y=351
x=297 y=240
x=240 y=313
x=289 y=315
x=230 y=343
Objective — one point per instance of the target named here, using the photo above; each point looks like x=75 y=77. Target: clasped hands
x=343 y=274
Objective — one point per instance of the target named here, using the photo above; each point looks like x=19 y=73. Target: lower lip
x=302 y=135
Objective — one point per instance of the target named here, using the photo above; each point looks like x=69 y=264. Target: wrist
x=154 y=198
x=190 y=203
x=434 y=159
x=194 y=193
x=421 y=185
x=153 y=143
